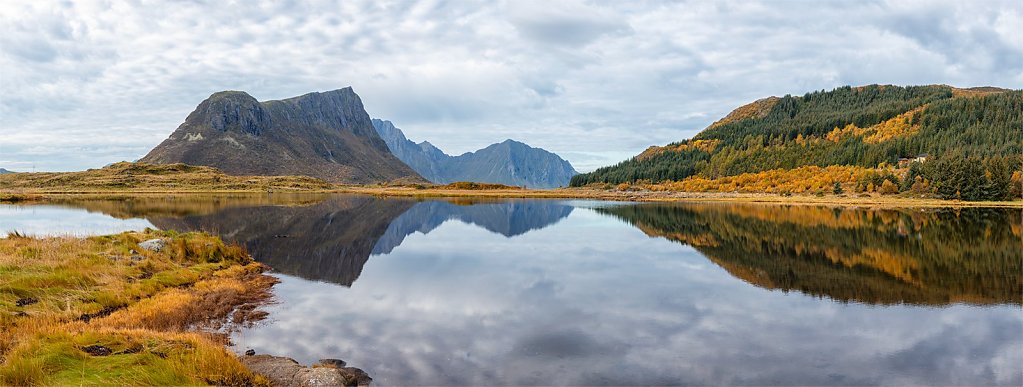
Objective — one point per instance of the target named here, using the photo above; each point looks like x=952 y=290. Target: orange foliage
x=897 y=127
x=888 y=188
x=809 y=179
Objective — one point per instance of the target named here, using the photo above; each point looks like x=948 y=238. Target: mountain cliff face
x=325 y=135
x=510 y=162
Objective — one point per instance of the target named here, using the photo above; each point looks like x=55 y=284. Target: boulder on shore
x=283 y=371
x=153 y=245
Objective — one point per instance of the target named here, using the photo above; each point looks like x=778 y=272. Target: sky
x=87 y=83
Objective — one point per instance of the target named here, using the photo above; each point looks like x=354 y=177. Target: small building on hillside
x=905 y=161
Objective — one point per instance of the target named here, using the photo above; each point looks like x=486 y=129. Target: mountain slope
x=3 y=171
x=325 y=135
x=861 y=126
x=509 y=162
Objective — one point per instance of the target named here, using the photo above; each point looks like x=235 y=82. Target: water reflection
x=508 y=218
x=886 y=256
x=325 y=237
x=329 y=240
x=332 y=239
x=567 y=293
x=592 y=301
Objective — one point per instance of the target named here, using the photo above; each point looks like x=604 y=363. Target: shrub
x=888 y=188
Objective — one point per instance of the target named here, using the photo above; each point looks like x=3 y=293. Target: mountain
x=3 y=171
x=509 y=162
x=853 y=126
x=324 y=135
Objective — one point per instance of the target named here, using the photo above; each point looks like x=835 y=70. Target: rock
x=26 y=301
x=250 y=352
x=137 y=258
x=153 y=245
x=321 y=377
x=284 y=371
x=356 y=376
x=336 y=363
x=97 y=350
x=281 y=371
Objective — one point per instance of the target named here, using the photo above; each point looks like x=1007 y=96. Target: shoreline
x=138 y=308
x=860 y=200
x=682 y=197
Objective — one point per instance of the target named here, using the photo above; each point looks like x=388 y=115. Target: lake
x=551 y=292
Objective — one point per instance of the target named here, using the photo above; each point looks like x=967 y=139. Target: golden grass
x=142 y=177
x=148 y=311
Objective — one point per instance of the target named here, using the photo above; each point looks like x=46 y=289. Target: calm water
x=595 y=293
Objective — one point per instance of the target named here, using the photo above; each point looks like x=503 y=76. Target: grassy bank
x=643 y=195
x=104 y=311
x=142 y=177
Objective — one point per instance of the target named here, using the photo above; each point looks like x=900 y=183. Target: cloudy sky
x=83 y=83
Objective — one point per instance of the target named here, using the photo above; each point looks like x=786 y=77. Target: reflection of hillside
x=876 y=256
x=328 y=241
x=508 y=218
x=185 y=204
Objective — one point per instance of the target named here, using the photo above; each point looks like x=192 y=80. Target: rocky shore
x=287 y=372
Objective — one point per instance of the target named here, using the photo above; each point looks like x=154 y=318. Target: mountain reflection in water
x=469 y=292
x=332 y=239
x=877 y=256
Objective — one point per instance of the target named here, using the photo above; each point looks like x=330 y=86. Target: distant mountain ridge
x=509 y=162
x=3 y=171
x=325 y=135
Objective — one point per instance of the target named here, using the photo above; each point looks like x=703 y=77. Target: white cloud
x=86 y=83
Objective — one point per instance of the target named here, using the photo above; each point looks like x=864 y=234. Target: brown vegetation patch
x=755 y=109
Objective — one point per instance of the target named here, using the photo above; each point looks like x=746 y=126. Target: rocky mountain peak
x=235 y=111
x=327 y=135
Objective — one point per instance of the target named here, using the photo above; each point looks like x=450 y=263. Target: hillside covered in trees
x=938 y=140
